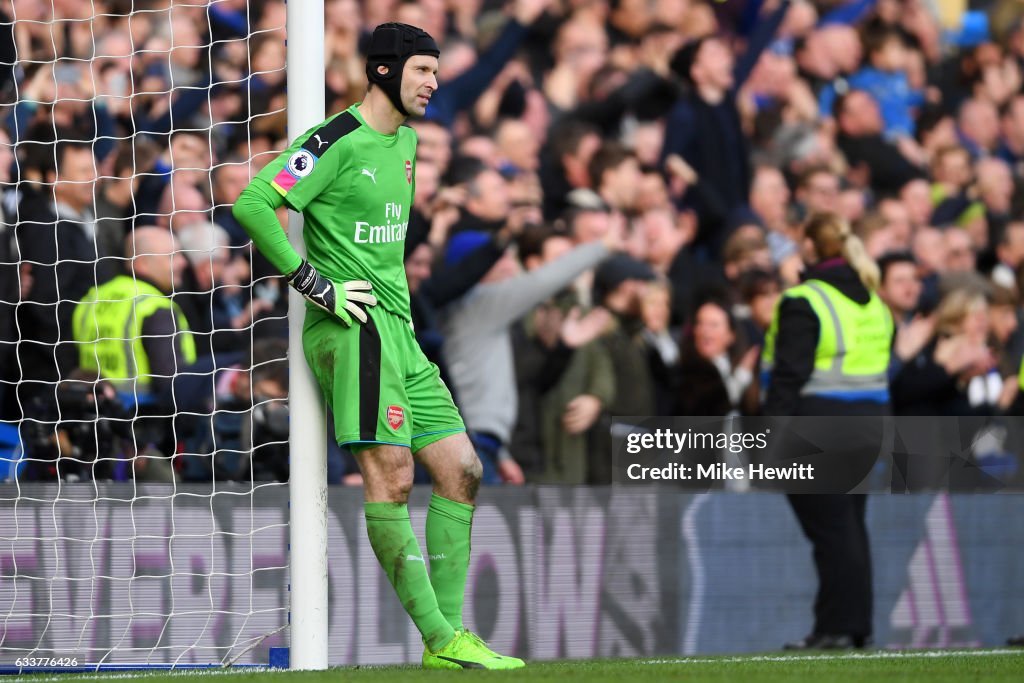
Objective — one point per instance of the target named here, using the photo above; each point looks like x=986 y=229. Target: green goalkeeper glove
x=339 y=299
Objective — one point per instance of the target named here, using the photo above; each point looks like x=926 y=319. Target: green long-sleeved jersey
x=355 y=187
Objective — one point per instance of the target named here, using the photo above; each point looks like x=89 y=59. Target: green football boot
x=468 y=651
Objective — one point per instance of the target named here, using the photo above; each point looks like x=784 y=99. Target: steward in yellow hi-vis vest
x=828 y=347
x=854 y=339
x=128 y=330
x=827 y=354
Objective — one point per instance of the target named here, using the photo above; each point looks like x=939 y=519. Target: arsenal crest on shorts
x=408 y=171
x=396 y=417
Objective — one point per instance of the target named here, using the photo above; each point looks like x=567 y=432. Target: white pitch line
x=925 y=654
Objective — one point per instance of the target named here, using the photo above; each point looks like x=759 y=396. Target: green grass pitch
x=874 y=667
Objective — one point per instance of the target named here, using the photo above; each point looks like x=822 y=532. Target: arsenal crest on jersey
x=408 y=171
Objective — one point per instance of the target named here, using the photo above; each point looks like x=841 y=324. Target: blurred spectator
x=431 y=288
x=662 y=345
x=228 y=179
x=952 y=173
x=746 y=250
x=188 y=153
x=434 y=143
x=828 y=52
x=900 y=286
x=885 y=79
x=704 y=125
x=619 y=285
x=55 y=240
x=653 y=191
x=8 y=57
x=182 y=204
x=580 y=50
x=717 y=369
x=960 y=255
x=817 y=191
x=897 y=221
x=978 y=126
x=929 y=250
x=221 y=315
x=564 y=380
x=935 y=129
x=115 y=196
x=478 y=347
x=486 y=206
x=769 y=200
x=887 y=166
x=874 y=233
x=759 y=294
x=615 y=175
x=667 y=237
x=564 y=163
x=1003 y=332
x=517 y=147
x=916 y=198
x=994 y=190
x=935 y=381
x=1011 y=127
x=1009 y=256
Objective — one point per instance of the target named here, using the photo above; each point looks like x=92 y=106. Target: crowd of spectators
x=695 y=135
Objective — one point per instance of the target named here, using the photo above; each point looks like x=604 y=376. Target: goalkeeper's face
x=419 y=81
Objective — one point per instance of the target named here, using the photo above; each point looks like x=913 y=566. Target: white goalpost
x=308 y=484
x=123 y=545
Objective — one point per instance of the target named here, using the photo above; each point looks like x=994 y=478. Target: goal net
x=144 y=433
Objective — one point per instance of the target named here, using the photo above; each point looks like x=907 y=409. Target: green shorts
x=378 y=383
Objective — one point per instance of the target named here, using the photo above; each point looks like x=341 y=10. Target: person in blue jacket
x=885 y=79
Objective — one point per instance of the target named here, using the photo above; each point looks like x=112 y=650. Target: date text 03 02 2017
x=719 y=472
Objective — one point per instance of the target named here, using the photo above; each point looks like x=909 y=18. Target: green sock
x=394 y=543
x=448 y=528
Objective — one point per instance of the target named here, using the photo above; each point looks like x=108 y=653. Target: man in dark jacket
x=704 y=125
x=55 y=240
x=861 y=141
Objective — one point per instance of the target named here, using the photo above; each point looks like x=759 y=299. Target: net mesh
x=142 y=340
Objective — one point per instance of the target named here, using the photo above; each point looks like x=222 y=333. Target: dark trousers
x=488 y=448
x=835 y=526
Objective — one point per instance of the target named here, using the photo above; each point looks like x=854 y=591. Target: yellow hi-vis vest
x=851 y=360
x=107 y=326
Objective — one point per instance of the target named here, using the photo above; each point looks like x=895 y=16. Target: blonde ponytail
x=857 y=256
x=832 y=237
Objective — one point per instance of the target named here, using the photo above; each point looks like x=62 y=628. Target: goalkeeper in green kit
x=352 y=178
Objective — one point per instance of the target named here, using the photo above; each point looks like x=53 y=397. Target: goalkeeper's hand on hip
x=344 y=300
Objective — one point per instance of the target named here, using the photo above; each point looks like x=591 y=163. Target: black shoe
x=822 y=641
x=1016 y=640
